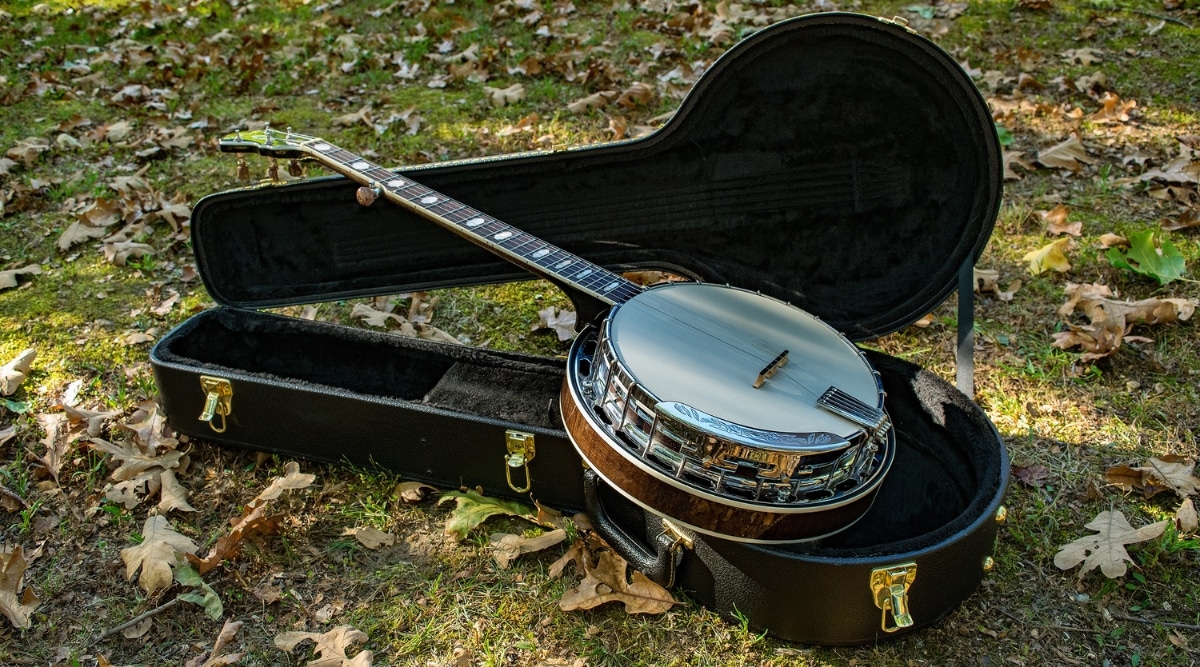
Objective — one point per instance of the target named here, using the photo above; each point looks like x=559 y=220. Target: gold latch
x=890 y=585
x=218 y=401
x=520 y=452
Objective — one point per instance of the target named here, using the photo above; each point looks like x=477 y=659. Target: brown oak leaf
x=1070 y=155
x=507 y=547
x=16 y=604
x=8 y=279
x=1106 y=549
x=12 y=374
x=156 y=554
x=331 y=648
x=605 y=580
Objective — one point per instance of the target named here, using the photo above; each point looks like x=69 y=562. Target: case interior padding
x=834 y=161
x=232 y=342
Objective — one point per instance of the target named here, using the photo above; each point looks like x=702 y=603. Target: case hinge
x=521 y=451
x=889 y=586
x=218 y=401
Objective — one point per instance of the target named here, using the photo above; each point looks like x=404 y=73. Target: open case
x=838 y=162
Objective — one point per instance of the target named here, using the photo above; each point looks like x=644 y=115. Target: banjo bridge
x=770 y=368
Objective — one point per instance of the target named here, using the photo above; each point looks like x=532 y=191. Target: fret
x=514 y=244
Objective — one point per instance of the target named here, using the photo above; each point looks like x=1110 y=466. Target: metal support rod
x=964 y=355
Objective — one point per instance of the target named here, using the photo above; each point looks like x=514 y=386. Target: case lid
x=839 y=162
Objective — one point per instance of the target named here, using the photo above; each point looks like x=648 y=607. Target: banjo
x=727 y=411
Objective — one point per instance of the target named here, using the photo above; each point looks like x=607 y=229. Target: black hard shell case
x=839 y=162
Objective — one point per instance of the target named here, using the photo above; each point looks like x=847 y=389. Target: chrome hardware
x=889 y=587
x=218 y=401
x=839 y=402
x=521 y=451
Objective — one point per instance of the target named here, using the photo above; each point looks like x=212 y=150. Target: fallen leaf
x=378 y=318
x=92 y=420
x=507 y=547
x=1163 y=263
x=172 y=495
x=291 y=480
x=156 y=554
x=986 y=280
x=77 y=233
x=57 y=441
x=1031 y=475
x=1186 y=220
x=1056 y=222
x=27 y=150
x=136 y=458
x=1069 y=155
x=635 y=95
x=8 y=279
x=331 y=647
x=204 y=596
x=472 y=509
x=593 y=101
x=1110 y=240
x=215 y=658
x=1186 y=518
x=1171 y=472
x=1113 y=109
x=606 y=580
x=1015 y=159
x=499 y=97
x=411 y=492
x=121 y=252
x=1085 y=56
x=1050 y=257
x=16 y=604
x=1106 y=549
x=561 y=322
x=363 y=116
x=1111 y=320
x=13 y=373
x=371 y=538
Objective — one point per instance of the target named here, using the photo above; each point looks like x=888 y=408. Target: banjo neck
x=521 y=248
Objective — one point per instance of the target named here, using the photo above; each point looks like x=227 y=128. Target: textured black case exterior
x=835 y=161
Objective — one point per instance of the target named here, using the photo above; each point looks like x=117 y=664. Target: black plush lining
x=237 y=343
x=948 y=467
x=835 y=162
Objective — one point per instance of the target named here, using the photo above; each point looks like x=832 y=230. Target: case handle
x=657 y=562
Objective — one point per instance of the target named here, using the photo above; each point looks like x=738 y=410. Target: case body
x=838 y=162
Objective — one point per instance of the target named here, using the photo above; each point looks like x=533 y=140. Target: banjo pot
x=730 y=412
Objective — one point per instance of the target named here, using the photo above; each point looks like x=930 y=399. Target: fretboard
x=521 y=248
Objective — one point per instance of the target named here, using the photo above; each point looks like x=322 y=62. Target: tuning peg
x=295 y=168
x=273 y=169
x=243 y=169
x=367 y=195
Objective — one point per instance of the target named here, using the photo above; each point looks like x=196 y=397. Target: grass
x=427 y=600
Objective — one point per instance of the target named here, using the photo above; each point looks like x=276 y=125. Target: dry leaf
x=1111 y=240
x=121 y=252
x=13 y=373
x=214 y=658
x=371 y=538
x=1170 y=472
x=1015 y=159
x=593 y=101
x=79 y=232
x=330 y=648
x=16 y=604
x=1111 y=320
x=136 y=458
x=561 y=322
x=172 y=495
x=57 y=441
x=1106 y=548
x=254 y=520
x=1056 y=222
x=507 y=547
x=93 y=420
x=8 y=279
x=1113 y=109
x=1051 y=257
x=986 y=280
x=606 y=581
x=635 y=95
x=1186 y=518
x=499 y=97
x=377 y=318
x=1032 y=475
x=411 y=492
x=1068 y=155
x=156 y=554
x=1187 y=219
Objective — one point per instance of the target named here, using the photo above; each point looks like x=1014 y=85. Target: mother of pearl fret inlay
x=395 y=184
x=322 y=147
x=429 y=200
x=584 y=273
x=360 y=165
x=475 y=222
x=502 y=235
x=541 y=253
x=564 y=264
